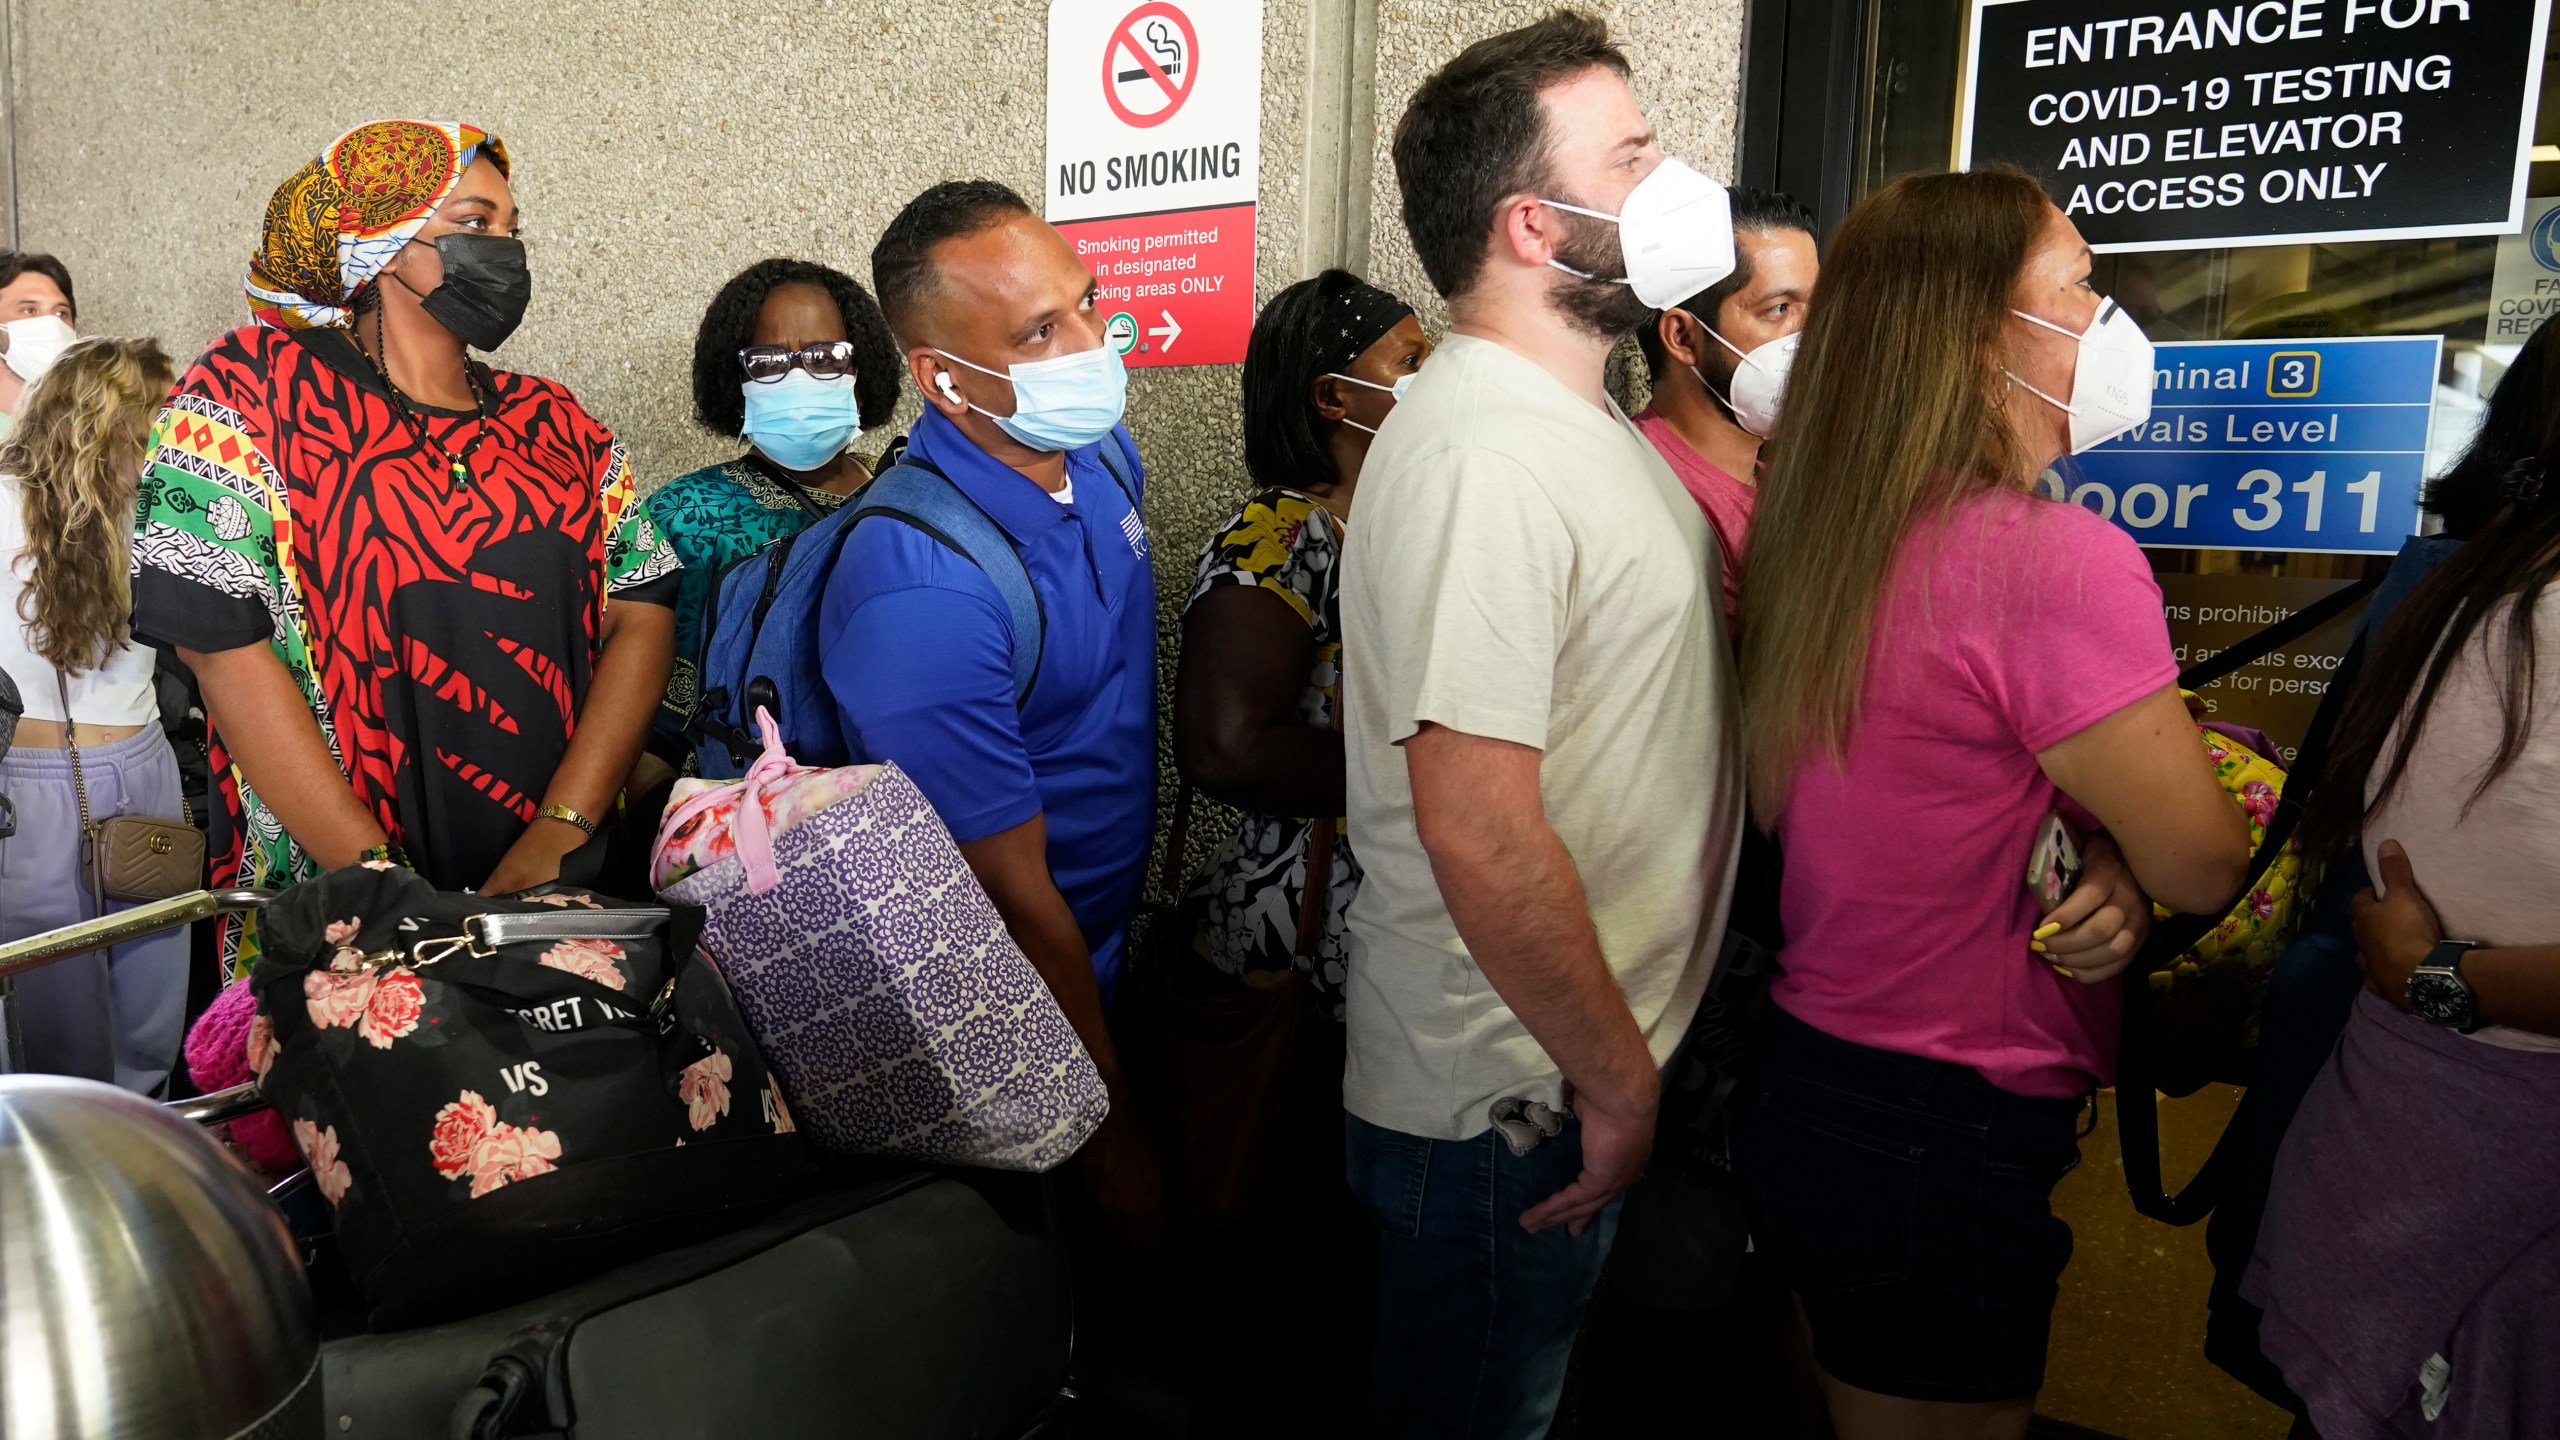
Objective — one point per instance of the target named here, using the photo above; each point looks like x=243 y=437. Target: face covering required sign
x=2308 y=446
x=1154 y=167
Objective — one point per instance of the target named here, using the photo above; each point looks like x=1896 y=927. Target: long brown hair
x=77 y=453
x=2503 y=501
x=1896 y=409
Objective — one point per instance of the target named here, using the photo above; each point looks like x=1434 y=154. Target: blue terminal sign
x=2309 y=446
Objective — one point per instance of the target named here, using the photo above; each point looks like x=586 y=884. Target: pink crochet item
x=218 y=1058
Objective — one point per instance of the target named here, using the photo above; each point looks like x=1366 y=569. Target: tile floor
x=2128 y=1335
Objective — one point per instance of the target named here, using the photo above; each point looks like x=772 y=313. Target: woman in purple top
x=1934 y=661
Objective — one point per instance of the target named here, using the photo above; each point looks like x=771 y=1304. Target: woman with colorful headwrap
x=429 y=620
x=1258 y=1143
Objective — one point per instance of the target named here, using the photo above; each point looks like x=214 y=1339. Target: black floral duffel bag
x=498 y=1097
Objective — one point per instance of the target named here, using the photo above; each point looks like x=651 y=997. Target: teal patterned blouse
x=715 y=517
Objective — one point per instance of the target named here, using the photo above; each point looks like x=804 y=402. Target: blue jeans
x=1476 y=1316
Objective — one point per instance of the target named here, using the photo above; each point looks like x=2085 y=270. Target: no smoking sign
x=1154 y=179
x=1150 y=64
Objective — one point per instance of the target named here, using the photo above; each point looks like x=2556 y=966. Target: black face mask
x=486 y=287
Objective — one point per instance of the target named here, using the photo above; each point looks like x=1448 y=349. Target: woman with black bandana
x=1260 y=1148
x=428 y=614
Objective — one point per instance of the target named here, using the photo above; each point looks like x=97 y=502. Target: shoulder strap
x=915 y=494
x=71 y=742
x=2275 y=637
x=2137 y=1102
x=1116 y=459
x=775 y=475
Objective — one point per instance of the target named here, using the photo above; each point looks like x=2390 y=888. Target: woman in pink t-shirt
x=1934 y=659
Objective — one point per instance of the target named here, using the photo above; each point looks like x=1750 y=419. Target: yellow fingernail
x=2065 y=974
x=2036 y=945
x=2049 y=930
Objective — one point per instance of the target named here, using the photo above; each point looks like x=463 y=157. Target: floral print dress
x=1245 y=904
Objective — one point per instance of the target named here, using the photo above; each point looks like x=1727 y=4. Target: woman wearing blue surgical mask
x=794 y=358
x=1258 y=1140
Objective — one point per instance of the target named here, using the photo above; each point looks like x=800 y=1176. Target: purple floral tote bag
x=877 y=976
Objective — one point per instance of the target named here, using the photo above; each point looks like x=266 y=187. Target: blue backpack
x=759 y=645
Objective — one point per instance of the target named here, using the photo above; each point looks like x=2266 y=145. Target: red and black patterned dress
x=442 y=633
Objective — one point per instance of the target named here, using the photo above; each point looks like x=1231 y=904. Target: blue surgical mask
x=1064 y=403
x=801 y=422
x=1403 y=383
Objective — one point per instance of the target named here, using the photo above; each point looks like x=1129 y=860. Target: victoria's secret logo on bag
x=570 y=1014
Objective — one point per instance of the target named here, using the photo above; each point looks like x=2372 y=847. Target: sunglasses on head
x=825 y=360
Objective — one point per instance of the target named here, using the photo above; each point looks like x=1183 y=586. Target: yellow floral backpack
x=2204 y=1004
x=2192 y=1019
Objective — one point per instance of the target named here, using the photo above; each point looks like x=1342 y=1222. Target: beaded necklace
x=456 y=465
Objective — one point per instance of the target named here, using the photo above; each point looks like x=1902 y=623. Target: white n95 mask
x=2110 y=382
x=1759 y=381
x=1403 y=383
x=1675 y=232
x=35 y=343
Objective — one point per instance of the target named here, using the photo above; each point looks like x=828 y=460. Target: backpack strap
x=917 y=495
x=2137 y=1102
x=1116 y=458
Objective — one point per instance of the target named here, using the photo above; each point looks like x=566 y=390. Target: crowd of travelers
x=1492 y=752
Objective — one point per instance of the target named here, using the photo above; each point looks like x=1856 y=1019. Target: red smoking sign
x=1177 y=288
x=1150 y=65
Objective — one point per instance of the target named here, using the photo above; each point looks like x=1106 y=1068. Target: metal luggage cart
x=17 y=957
x=930 y=1305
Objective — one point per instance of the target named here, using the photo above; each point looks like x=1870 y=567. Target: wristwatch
x=2437 y=992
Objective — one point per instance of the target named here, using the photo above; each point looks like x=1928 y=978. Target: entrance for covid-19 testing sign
x=1155 y=148
x=2191 y=124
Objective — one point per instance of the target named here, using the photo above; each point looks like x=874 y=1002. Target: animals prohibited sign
x=1152 y=178
x=1150 y=64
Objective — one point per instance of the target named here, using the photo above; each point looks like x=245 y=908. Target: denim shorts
x=1907 y=1203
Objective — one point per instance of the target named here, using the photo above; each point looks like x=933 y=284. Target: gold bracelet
x=563 y=812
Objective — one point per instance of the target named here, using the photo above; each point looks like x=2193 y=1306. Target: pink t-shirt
x=1726 y=500
x=2008 y=627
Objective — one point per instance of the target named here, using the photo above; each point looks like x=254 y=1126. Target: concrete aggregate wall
x=1687 y=56
x=661 y=146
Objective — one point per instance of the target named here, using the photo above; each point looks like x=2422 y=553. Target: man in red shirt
x=1715 y=387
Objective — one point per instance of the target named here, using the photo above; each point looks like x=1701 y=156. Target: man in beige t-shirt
x=1540 y=738
x=1551 y=590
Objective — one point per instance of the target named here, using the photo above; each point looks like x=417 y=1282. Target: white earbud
x=950 y=391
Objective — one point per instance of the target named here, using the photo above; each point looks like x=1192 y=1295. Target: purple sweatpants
x=2409 y=1264
x=115 y=1015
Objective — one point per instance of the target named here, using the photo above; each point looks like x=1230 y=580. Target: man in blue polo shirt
x=1052 y=799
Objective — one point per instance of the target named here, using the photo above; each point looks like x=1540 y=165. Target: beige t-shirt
x=2488 y=866
x=1527 y=569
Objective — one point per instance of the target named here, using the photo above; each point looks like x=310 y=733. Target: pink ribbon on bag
x=750 y=829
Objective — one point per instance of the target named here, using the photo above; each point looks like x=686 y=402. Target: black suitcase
x=908 y=1307
x=903 y=1306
